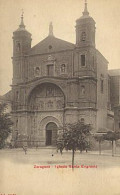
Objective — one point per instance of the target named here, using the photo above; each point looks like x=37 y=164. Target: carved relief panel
x=46 y=97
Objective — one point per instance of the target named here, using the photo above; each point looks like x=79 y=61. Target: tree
x=75 y=137
x=112 y=136
x=5 y=124
x=99 y=138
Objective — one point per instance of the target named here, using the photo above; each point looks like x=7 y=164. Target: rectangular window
x=82 y=60
x=119 y=125
x=102 y=86
x=50 y=70
x=118 y=112
x=93 y=61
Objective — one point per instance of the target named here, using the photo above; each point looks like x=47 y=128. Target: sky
x=63 y=14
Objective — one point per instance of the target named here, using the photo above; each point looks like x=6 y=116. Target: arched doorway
x=51 y=134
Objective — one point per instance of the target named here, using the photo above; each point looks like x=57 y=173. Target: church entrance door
x=49 y=137
x=51 y=134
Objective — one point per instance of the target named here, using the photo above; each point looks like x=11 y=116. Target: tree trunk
x=99 y=147
x=73 y=154
x=112 y=149
x=115 y=147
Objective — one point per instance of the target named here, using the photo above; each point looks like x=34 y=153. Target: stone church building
x=58 y=82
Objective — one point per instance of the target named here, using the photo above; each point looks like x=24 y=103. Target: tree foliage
x=75 y=137
x=5 y=124
x=112 y=136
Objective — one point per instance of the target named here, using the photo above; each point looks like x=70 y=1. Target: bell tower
x=21 y=46
x=85 y=29
x=85 y=63
x=85 y=56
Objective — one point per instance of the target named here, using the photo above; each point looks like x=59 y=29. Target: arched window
x=18 y=46
x=83 y=36
x=16 y=123
x=82 y=120
x=17 y=95
x=83 y=89
x=37 y=71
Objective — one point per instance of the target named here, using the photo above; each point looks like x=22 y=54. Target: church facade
x=57 y=82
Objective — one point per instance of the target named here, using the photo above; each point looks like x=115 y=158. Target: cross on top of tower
x=22 y=22
x=85 y=13
x=22 y=13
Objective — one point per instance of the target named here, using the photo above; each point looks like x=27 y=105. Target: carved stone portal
x=46 y=96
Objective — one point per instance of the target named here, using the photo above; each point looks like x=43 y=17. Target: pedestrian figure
x=25 y=149
x=36 y=146
x=60 y=147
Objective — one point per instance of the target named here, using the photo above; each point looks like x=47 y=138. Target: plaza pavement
x=49 y=156
x=19 y=177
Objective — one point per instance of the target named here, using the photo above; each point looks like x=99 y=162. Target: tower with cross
x=85 y=29
x=21 y=46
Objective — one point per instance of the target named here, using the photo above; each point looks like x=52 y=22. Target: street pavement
x=46 y=172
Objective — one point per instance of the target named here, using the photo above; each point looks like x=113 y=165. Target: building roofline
x=114 y=72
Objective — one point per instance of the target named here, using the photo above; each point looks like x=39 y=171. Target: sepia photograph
x=59 y=97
